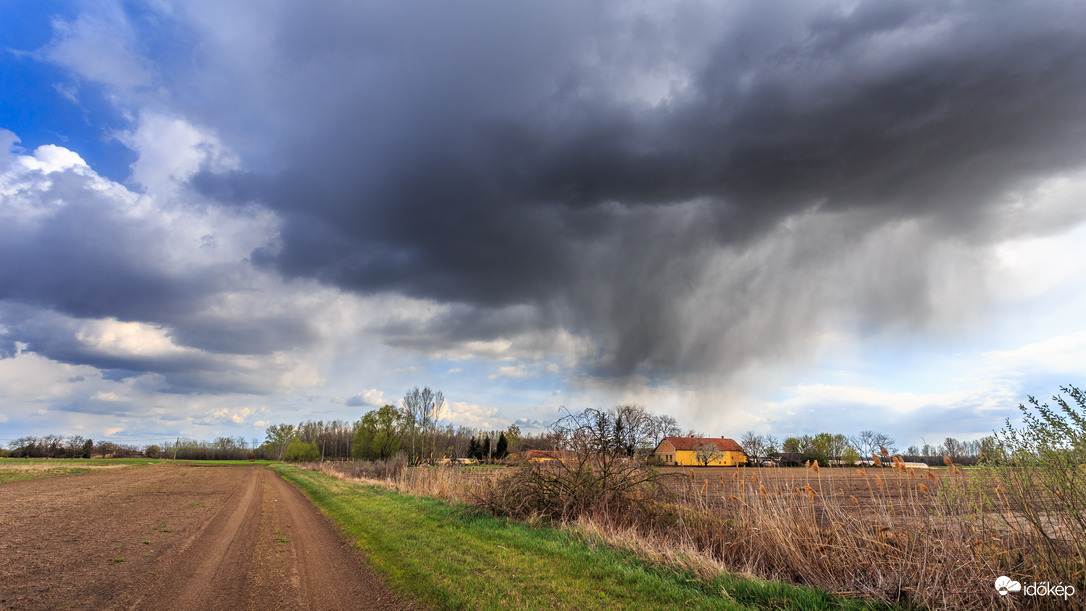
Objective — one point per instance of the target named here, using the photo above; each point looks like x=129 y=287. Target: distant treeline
x=76 y=446
x=830 y=449
x=415 y=429
x=63 y=446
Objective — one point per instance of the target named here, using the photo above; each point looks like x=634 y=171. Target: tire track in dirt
x=211 y=569
x=327 y=566
x=192 y=537
x=268 y=547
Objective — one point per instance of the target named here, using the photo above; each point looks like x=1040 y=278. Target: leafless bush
x=596 y=477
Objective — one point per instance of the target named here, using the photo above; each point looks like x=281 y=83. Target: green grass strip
x=68 y=462
x=64 y=462
x=9 y=471
x=15 y=476
x=450 y=557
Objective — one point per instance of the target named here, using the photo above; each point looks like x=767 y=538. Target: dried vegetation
x=930 y=538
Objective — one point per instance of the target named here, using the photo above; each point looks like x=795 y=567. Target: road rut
x=189 y=537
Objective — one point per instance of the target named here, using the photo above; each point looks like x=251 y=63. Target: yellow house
x=684 y=451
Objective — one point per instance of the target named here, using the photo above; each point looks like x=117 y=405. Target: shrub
x=379 y=469
x=299 y=451
x=597 y=478
x=386 y=470
x=1040 y=478
x=850 y=456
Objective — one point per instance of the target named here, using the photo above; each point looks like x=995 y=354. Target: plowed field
x=175 y=536
x=845 y=487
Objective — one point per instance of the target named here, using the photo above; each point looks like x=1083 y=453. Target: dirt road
x=179 y=536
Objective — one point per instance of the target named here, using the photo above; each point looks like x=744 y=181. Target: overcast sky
x=785 y=217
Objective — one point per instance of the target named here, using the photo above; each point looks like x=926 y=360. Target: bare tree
x=631 y=422
x=871 y=442
x=954 y=448
x=772 y=445
x=882 y=440
x=707 y=453
x=754 y=445
x=660 y=426
x=865 y=443
x=422 y=410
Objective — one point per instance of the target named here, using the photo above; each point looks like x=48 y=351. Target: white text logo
x=1005 y=584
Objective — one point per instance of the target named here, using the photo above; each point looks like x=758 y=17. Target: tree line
x=839 y=449
x=415 y=429
x=61 y=446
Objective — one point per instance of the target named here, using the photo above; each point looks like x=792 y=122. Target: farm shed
x=684 y=451
x=548 y=455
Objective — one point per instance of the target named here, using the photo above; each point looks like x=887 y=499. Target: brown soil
x=837 y=485
x=176 y=536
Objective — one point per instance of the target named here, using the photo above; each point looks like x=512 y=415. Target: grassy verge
x=224 y=462
x=17 y=469
x=11 y=475
x=452 y=558
x=68 y=462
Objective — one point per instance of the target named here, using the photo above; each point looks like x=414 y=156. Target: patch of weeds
x=145 y=542
x=117 y=560
x=164 y=528
x=12 y=476
x=282 y=539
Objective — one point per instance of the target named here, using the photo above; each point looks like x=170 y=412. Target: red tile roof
x=693 y=443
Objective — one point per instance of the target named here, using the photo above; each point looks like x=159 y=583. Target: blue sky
x=787 y=218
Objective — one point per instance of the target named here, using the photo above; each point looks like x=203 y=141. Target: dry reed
x=932 y=545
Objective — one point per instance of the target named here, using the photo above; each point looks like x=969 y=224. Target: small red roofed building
x=548 y=455
x=700 y=451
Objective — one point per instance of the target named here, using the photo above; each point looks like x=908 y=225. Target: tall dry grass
x=910 y=544
x=450 y=483
x=936 y=540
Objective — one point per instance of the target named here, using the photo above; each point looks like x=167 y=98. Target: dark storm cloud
x=493 y=176
x=628 y=174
